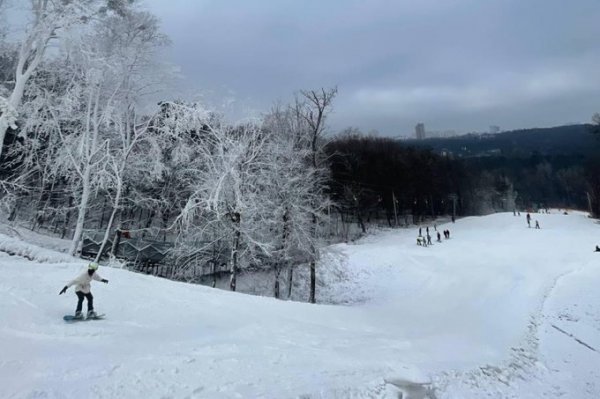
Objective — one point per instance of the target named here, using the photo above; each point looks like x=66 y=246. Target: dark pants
x=90 y=301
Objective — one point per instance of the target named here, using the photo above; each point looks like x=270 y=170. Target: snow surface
x=499 y=310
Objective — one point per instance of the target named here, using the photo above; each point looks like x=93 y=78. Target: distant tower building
x=494 y=129
x=420 y=131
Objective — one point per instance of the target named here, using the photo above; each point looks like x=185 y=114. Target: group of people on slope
x=537 y=224
x=426 y=240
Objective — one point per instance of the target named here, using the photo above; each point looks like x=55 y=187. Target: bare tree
x=314 y=108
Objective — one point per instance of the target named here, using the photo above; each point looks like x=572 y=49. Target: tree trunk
x=116 y=242
x=110 y=221
x=234 y=253
x=361 y=221
x=67 y=218
x=83 y=204
x=214 y=273
x=313 y=272
x=290 y=280
x=276 y=287
x=395 y=208
x=102 y=216
x=165 y=219
x=313 y=282
x=13 y=212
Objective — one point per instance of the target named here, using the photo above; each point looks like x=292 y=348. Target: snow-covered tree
x=95 y=117
x=292 y=200
x=134 y=37
x=229 y=182
x=48 y=19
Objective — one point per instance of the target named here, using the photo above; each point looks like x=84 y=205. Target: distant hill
x=560 y=140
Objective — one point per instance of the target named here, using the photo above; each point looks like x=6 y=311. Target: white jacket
x=83 y=281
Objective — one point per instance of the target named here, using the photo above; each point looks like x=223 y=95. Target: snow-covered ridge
x=18 y=247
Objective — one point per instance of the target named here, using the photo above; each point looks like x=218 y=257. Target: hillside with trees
x=83 y=156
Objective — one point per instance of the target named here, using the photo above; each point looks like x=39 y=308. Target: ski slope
x=499 y=310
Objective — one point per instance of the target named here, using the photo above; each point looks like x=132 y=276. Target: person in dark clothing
x=537 y=224
x=420 y=232
x=429 y=240
x=528 y=220
x=439 y=237
x=427 y=230
x=597 y=249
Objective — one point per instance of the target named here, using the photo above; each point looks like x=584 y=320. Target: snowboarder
x=82 y=290
x=537 y=224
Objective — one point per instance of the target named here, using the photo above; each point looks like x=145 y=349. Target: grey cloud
x=453 y=64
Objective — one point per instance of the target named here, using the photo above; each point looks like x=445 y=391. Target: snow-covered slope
x=499 y=309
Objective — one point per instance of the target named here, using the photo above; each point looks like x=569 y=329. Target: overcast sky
x=451 y=64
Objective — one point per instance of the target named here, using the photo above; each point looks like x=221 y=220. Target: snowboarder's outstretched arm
x=76 y=280
x=97 y=277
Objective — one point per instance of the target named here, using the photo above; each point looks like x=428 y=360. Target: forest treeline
x=469 y=175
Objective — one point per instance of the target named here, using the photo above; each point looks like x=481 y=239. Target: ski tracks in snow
x=526 y=373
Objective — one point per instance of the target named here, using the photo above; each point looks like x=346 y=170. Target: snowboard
x=71 y=318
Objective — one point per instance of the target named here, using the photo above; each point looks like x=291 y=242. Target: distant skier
x=597 y=249
x=429 y=240
x=82 y=290
x=439 y=237
x=420 y=232
x=528 y=220
x=537 y=224
x=427 y=230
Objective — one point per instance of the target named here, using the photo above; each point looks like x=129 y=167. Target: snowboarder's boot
x=78 y=315
x=91 y=314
